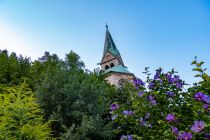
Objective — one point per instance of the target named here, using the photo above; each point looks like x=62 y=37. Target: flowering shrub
x=161 y=108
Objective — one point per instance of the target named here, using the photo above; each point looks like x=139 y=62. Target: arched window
x=112 y=65
x=106 y=67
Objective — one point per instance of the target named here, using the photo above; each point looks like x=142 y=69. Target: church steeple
x=110 y=47
x=112 y=62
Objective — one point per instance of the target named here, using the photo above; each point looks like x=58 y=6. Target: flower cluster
x=206 y=106
x=151 y=85
x=174 y=80
x=170 y=94
x=181 y=135
x=138 y=82
x=170 y=117
x=114 y=106
x=198 y=126
x=161 y=104
x=114 y=117
x=143 y=122
x=127 y=112
x=174 y=130
x=158 y=74
x=200 y=96
x=185 y=136
x=141 y=93
x=152 y=99
x=126 y=137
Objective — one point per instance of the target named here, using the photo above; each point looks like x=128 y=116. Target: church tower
x=112 y=62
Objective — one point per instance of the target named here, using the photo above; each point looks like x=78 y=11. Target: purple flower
x=114 y=117
x=138 y=82
x=207 y=136
x=179 y=85
x=176 y=79
x=140 y=93
x=151 y=85
x=169 y=78
x=157 y=75
x=198 y=126
x=186 y=136
x=130 y=113
x=114 y=106
x=199 y=96
x=202 y=97
x=206 y=106
x=174 y=130
x=147 y=116
x=151 y=97
x=170 y=94
x=206 y=99
x=170 y=117
x=152 y=100
x=130 y=137
x=160 y=82
x=144 y=123
x=149 y=125
x=127 y=112
x=123 y=137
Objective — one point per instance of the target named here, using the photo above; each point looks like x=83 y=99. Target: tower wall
x=115 y=78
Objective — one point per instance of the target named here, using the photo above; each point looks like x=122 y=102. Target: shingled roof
x=118 y=69
x=109 y=46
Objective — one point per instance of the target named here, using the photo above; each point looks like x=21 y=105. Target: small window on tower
x=106 y=67
x=112 y=65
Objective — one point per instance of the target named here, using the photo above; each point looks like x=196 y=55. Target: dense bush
x=13 y=69
x=78 y=101
x=20 y=115
x=161 y=108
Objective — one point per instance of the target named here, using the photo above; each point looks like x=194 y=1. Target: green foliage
x=204 y=84
x=77 y=100
x=20 y=115
x=73 y=61
x=13 y=69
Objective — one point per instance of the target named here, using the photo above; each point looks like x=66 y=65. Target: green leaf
x=200 y=64
x=197 y=75
x=198 y=69
x=193 y=62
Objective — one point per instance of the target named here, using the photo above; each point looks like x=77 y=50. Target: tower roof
x=118 y=69
x=109 y=46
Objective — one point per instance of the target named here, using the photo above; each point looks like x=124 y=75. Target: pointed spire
x=109 y=45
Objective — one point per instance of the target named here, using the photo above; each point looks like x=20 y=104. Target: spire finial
x=106 y=26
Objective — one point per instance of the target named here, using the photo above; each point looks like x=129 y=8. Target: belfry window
x=112 y=65
x=106 y=67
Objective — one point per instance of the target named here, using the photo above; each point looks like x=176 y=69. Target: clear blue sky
x=154 y=33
